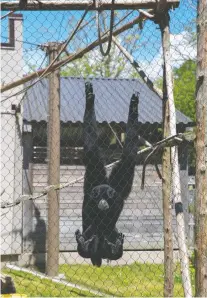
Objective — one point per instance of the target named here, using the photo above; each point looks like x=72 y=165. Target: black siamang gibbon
x=104 y=196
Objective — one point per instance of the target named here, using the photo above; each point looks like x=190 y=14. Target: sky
x=44 y=26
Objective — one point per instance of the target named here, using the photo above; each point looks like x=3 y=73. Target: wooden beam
x=84 y=4
x=166 y=199
x=162 y=6
x=137 y=67
x=71 y=58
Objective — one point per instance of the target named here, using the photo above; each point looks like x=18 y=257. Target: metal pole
x=53 y=156
x=201 y=154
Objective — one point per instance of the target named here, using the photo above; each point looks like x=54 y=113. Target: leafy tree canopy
x=184 y=88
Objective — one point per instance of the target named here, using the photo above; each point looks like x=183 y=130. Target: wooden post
x=176 y=187
x=53 y=156
x=201 y=154
x=166 y=195
x=166 y=174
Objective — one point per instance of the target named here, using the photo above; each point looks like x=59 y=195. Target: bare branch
x=168 y=142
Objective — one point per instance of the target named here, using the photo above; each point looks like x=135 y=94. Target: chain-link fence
x=98 y=123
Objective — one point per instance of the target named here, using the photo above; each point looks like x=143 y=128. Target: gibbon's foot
x=84 y=246
x=89 y=87
x=96 y=261
x=108 y=249
x=114 y=251
x=96 y=254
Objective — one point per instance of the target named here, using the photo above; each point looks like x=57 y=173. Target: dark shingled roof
x=112 y=97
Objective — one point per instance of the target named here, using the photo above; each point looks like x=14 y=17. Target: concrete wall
x=11 y=137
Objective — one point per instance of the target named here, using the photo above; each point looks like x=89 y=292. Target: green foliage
x=94 y=64
x=184 y=88
x=191 y=29
x=31 y=67
x=158 y=83
x=135 y=280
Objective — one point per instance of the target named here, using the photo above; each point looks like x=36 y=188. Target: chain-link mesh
x=98 y=168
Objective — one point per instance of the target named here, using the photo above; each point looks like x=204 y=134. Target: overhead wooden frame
x=84 y=4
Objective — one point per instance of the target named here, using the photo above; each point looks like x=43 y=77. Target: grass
x=33 y=286
x=141 y=280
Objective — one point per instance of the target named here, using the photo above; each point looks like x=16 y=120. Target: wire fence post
x=53 y=155
x=166 y=194
x=201 y=155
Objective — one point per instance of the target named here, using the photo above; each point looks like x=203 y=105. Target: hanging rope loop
x=98 y=14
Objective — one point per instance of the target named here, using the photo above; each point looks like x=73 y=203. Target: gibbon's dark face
x=104 y=196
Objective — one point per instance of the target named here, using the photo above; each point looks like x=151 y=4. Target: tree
x=184 y=88
x=184 y=95
x=94 y=64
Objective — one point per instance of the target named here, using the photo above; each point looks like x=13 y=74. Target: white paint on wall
x=11 y=144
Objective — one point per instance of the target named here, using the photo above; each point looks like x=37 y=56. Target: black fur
x=104 y=196
x=22 y=4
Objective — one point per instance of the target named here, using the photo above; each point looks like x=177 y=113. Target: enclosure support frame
x=201 y=155
x=53 y=156
x=87 y=4
x=72 y=57
x=166 y=197
x=163 y=20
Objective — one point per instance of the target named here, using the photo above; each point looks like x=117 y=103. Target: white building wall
x=11 y=140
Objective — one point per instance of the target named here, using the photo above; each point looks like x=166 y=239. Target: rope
x=98 y=13
x=189 y=137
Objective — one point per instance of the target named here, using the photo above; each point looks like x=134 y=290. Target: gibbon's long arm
x=121 y=178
